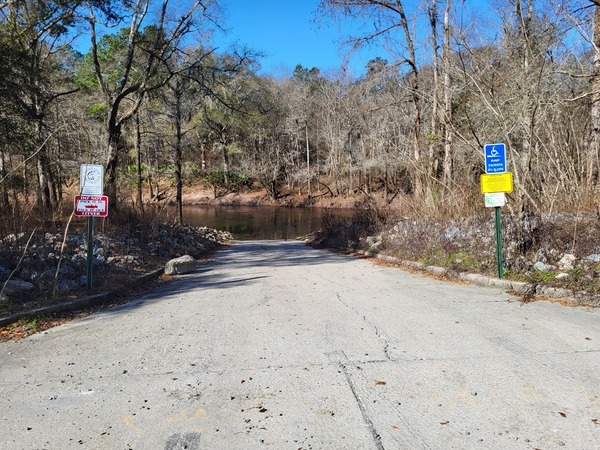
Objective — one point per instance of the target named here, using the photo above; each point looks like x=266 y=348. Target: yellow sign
x=496 y=182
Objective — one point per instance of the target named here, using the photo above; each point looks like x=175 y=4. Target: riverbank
x=558 y=251
x=205 y=197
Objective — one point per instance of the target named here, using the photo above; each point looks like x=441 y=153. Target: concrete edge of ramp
x=88 y=301
x=568 y=296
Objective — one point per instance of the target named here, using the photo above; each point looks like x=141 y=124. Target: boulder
x=16 y=286
x=567 y=262
x=181 y=265
x=451 y=233
x=593 y=258
x=542 y=267
x=128 y=259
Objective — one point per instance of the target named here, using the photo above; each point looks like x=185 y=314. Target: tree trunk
x=4 y=199
x=307 y=159
x=138 y=152
x=433 y=164
x=178 y=157
x=523 y=169
x=225 y=164
x=448 y=134
x=592 y=164
x=43 y=172
x=112 y=162
x=149 y=175
x=416 y=101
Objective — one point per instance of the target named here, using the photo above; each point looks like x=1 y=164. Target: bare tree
x=386 y=17
x=593 y=163
x=448 y=132
x=143 y=67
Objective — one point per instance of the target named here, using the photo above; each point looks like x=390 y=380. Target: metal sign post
x=494 y=183
x=91 y=203
x=499 y=258
x=90 y=252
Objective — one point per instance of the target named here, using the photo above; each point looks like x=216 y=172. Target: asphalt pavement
x=273 y=344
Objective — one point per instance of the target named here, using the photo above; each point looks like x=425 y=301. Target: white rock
x=593 y=258
x=178 y=266
x=451 y=233
x=567 y=262
x=541 y=266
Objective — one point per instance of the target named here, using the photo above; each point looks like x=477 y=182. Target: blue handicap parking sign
x=495 y=158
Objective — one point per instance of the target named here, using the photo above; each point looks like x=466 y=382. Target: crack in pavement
x=386 y=346
x=363 y=410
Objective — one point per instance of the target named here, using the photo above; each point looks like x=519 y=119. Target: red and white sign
x=91 y=205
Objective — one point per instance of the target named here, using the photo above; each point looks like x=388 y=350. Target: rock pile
x=52 y=264
x=549 y=248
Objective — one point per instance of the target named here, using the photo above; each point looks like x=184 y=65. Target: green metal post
x=90 y=252
x=499 y=243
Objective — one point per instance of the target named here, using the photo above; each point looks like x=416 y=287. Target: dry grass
x=468 y=244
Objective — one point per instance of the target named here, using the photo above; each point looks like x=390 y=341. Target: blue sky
x=287 y=32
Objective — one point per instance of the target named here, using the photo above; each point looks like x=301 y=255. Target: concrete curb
x=99 y=299
x=568 y=296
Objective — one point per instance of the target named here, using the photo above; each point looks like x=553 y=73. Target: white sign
x=495 y=199
x=91 y=179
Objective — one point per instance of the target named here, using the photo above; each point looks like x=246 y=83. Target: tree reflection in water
x=260 y=222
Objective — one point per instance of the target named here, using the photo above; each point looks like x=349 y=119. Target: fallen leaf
x=562 y=414
x=588 y=339
x=381 y=382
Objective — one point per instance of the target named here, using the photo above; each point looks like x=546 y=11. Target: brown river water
x=260 y=222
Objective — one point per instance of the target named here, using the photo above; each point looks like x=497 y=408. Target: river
x=260 y=222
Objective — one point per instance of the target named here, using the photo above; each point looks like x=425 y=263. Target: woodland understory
x=559 y=249
x=173 y=119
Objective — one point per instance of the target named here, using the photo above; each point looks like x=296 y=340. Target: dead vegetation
x=47 y=265
x=558 y=250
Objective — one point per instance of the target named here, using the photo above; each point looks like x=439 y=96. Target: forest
x=152 y=100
